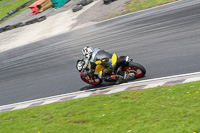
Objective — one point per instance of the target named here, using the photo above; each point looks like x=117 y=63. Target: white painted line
x=154 y=85
x=42 y=99
x=21 y=107
x=50 y=101
x=192 y=79
x=83 y=95
x=116 y=90
x=162 y=78
x=79 y=94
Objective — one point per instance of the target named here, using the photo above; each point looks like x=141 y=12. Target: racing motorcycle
x=122 y=64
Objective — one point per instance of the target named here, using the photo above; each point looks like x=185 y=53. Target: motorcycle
x=123 y=64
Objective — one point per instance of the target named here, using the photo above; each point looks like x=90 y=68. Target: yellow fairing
x=99 y=69
x=114 y=59
x=98 y=62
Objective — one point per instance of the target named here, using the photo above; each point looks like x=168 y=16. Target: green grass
x=168 y=109
x=4 y=9
x=3 y=1
x=136 y=5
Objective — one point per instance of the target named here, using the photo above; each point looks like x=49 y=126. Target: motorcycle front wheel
x=93 y=80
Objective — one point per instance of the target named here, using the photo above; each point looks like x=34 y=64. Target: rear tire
x=82 y=2
x=20 y=24
x=141 y=71
x=77 y=8
x=8 y=27
x=106 y=2
x=1 y=30
x=28 y=22
x=42 y=18
x=89 y=1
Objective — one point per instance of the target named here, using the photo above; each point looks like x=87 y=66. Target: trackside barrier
x=40 y=6
x=25 y=4
x=18 y=8
x=44 y=5
x=106 y=2
x=80 y=5
x=15 y=10
x=34 y=7
x=4 y=18
x=20 y=24
x=59 y=3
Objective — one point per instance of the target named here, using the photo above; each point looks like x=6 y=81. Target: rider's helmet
x=87 y=51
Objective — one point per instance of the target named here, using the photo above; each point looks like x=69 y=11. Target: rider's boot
x=126 y=75
x=117 y=78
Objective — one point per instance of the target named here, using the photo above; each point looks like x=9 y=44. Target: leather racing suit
x=102 y=63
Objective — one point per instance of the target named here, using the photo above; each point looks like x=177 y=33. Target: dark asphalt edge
x=144 y=84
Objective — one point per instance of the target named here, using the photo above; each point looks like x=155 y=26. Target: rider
x=100 y=61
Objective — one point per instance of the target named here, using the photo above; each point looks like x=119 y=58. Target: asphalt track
x=166 y=40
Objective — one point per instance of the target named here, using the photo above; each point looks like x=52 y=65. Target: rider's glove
x=85 y=73
x=91 y=72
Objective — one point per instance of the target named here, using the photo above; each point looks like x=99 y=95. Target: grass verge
x=4 y=9
x=4 y=1
x=136 y=5
x=165 y=109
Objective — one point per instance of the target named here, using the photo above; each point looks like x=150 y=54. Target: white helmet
x=87 y=51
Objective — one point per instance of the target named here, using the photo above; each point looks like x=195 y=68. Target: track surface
x=166 y=40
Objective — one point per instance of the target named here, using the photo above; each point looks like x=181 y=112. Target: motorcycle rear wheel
x=137 y=68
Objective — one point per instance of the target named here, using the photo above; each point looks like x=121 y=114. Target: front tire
x=138 y=68
x=95 y=80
